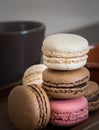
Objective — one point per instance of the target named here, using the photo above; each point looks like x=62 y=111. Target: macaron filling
x=94 y=98
x=64 y=85
x=42 y=105
x=74 y=90
x=66 y=53
x=64 y=59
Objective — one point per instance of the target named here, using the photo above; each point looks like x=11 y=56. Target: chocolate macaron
x=28 y=107
x=65 y=51
x=65 y=84
x=93 y=96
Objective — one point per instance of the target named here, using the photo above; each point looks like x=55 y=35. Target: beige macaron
x=33 y=74
x=65 y=51
x=65 y=84
x=28 y=107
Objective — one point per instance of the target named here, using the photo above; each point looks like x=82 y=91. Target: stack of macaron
x=66 y=79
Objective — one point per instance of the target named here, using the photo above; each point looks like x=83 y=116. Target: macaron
x=28 y=107
x=33 y=74
x=68 y=112
x=93 y=96
x=65 y=84
x=65 y=51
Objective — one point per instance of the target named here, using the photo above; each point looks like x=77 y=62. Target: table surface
x=92 y=123
x=91 y=33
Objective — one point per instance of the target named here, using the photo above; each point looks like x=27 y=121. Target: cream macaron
x=65 y=51
x=33 y=74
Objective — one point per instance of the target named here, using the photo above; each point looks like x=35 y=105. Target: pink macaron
x=68 y=112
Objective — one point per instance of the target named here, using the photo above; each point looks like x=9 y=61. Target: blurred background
x=58 y=15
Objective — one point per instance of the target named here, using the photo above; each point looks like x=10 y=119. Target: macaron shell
x=27 y=108
x=65 y=78
x=68 y=45
x=68 y=112
x=33 y=79
x=34 y=69
x=69 y=122
x=68 y=105
x=19 y=108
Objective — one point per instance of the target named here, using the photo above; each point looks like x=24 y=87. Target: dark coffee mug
x=20 y=47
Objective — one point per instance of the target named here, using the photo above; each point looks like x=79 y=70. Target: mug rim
x=39 y=26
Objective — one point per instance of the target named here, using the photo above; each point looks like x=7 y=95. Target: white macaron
x=65 y=51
